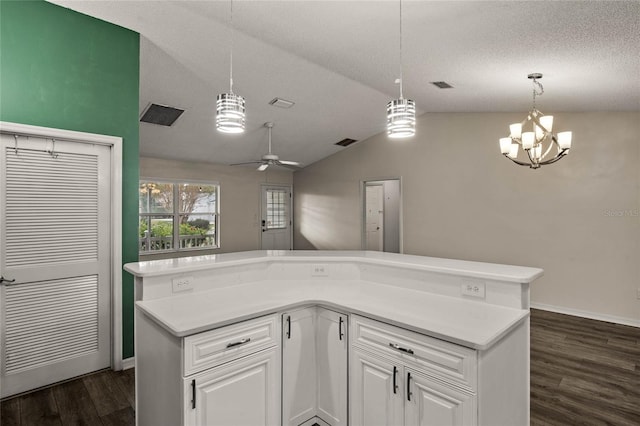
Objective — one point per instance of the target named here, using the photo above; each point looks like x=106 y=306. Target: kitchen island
x=453 y=335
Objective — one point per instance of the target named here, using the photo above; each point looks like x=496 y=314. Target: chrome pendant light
x=230 y=110
x=401 y=113
x=539 y=143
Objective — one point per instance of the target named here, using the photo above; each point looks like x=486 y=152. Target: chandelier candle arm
x=538 y=143
x=230 y=108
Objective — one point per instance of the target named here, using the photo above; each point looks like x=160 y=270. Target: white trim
x=585 y=314
x=128 y=363
x=115 y=143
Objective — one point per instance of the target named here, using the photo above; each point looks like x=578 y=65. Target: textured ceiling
x=338 y=61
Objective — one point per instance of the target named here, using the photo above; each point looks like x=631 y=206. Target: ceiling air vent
x=161 y=114
x=442 y=85
x=281 y=103
x=346 y=142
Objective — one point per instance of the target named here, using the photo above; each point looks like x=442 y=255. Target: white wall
x=239 y=198
x=577 y=219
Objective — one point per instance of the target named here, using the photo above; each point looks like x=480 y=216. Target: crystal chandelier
x=539 y=143
x=230 y=114
x=401 y=113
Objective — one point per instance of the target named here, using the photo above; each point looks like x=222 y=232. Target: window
x=178 y=216
x=276 y=208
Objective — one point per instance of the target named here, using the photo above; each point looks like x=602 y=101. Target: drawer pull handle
x=400 y=348
x=238 y=343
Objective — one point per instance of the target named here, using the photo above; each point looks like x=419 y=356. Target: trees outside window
x=178 y=216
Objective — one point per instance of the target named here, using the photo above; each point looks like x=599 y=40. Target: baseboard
x=128 y=363
x=584 y=314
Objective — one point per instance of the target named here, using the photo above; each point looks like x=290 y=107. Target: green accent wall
x=62 y=69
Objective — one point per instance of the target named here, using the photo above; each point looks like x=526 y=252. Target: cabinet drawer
x=215 y=347
x=436 y=357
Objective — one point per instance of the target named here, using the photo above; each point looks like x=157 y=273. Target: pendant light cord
x=401 y=97
x=231 y=54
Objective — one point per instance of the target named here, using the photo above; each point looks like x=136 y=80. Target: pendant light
x=401 y=112
x=230 y=111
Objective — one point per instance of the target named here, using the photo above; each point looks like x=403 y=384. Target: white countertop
x=516 y=274
x=468 y=323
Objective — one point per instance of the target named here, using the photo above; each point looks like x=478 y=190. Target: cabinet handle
x=6 y=280
x=408 y=386
x=288 y=326
x=238 y=343
x=340 y=334
x=193 y=394
x=400 y=348
x=395 y=385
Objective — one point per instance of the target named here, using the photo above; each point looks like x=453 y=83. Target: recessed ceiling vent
x=161 y=114
x=281 y=103
x=346 y=142
x=442 y=85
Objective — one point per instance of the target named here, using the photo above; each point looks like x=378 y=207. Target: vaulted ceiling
x=338 y=61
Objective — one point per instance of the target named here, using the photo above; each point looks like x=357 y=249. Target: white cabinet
x=332 y=366
x=314 y=366
x=298 y=366
x=227 y=376
x=402 y=378
x=241 y=392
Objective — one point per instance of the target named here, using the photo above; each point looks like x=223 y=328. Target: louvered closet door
x=55 y=243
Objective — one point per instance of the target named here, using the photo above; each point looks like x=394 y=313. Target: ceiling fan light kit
x=230 y=109
x=538 y=143
x=271 y=159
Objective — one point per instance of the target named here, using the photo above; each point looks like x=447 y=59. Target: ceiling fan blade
x=248 y=162
x=289 y=163
x=288 y=166
x=263 y=167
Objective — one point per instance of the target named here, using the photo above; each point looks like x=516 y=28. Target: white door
x=298 y=366
x=240 y=393
x=374 y=217
x=376 y=390
x=55 y=255
x=332 y=359
x=433 y=404
x=276 y=217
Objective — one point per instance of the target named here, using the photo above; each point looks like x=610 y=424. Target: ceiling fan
x=271 y=159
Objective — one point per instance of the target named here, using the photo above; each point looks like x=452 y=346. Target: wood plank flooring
x=105 y=398
x=583 y=372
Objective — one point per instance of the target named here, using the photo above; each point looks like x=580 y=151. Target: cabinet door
x=298 y=366
x=241 y=392
x=376 y=390
x=431 y=403
x=332 y=359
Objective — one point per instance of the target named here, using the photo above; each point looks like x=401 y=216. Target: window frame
x=176 y=214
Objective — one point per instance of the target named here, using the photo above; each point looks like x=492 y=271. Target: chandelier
x=230 y=116
x=540 y=146
x=401 y=112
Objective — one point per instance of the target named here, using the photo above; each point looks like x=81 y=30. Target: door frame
x=115 y=145
x=363 y=211
x=289 y=187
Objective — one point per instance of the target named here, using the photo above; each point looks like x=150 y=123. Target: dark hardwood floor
x=104 y=398
x=583 y=372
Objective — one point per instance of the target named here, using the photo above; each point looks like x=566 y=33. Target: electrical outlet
x=473 y=288
x=182 y=284
x=319 y=271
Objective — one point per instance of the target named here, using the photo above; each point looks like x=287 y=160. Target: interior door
x=55 y=258
x=276 y=217
x=374 y=217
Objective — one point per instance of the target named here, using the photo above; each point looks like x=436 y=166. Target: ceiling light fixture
x=401 y=113
x=538 y=143
x=230 y=111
